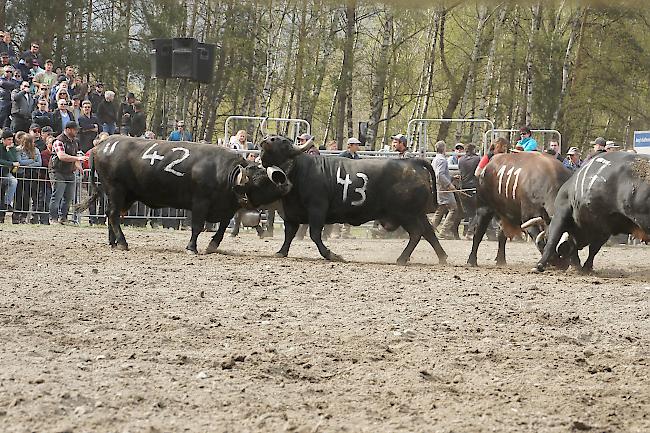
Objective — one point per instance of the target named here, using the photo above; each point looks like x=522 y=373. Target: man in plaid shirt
x=64 y=163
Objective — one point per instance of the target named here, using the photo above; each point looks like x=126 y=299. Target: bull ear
x=276 y=175
x=305 y=147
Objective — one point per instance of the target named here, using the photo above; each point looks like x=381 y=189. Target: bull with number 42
x=325 y=190
x=211 y=181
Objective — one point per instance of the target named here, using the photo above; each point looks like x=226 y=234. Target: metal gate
x=297 y=125
x=420 y=125
x=510 y=131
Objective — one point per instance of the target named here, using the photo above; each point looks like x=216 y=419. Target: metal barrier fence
x=31 y=201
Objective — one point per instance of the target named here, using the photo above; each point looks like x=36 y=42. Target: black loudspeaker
x=204 y=62
x=363 y=132
x=183 y=64
x=161 y=58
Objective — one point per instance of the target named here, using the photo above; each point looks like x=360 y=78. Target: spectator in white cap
x=459 y=150
x=353 y=149
x=400 y=144
x=572 y=161
x=611 y=146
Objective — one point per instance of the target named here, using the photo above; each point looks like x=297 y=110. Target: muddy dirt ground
x=154 y=340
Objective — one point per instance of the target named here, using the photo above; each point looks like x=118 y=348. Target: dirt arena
x=154 y=340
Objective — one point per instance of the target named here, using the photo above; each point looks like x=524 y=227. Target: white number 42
x=155 y=156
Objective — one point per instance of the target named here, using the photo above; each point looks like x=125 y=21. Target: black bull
x=609 y=195
x=519 y=189
x=211 y=181
x=327 y=190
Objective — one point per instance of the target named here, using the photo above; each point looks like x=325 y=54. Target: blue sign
x=642 y=141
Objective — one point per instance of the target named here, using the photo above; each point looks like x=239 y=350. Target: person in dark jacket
x=7 y=86
x=61 y=117
x=7 y=46
x=96 y=95
x=8 y=169
x=34 y=54
x=22 y=107
x=88 y=127
x=138 y=121
x=126 y=112
x=107 y=113
x=353 y=149
x=468 y=181
x=64 y=164
x=41 y=115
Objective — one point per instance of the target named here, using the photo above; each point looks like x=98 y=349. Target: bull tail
x=94 y=191
x=434 y=190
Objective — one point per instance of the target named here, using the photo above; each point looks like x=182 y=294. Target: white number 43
x=347 y=182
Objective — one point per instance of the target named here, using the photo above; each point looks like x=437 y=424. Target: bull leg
x=501 y=251
x=483 y=217
x=199 y=212
x=290 y=230
x=415 y=234
x=315 y=233
x=218 y=237
x=235 y=228
x=115 y=205
x=111 y=237
x=559 y=224
x=430 y=235
x=594 y=247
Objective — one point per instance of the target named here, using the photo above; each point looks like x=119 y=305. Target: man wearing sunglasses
x=527 y=141
x=41 y=115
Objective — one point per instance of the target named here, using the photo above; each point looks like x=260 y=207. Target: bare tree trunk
x=530 y=80
x=300 y=61
x=3 y=14
x=431 y=66
x=513 y=68
x=489 y=69
x=345 y=83
x=379 y=81
x=473 y=63
x=567 y=65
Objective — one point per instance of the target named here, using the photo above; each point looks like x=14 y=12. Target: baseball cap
x=399 y=137
x=71 y=125
x=459 y=146
x=6 y=133
x=599 y=141
x=34 y=126
x=47 y=129
x=180 y=123
x=9 y=69
x=353 y=140
x=305 y=137
x=573 y=151
x=524 y=130
x=611 y=145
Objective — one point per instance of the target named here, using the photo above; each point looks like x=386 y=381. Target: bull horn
x=238 y=177
x=564 y=239
x=532 y=222
x=540 y=236
x=277 y=175
x=305 y=147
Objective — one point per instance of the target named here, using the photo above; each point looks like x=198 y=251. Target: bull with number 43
x=211 y=181
x=325 y=190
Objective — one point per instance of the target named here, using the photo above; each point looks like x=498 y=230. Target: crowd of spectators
x=49 y=115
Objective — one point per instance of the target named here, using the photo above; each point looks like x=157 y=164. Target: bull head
x=277 y=150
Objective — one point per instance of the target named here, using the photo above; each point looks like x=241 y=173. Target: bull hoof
x=442 y=261
x=122 y=247
x=472 y=263
x=586 y=271
x=211 y=249
x=336 y=258
x=402 y=262
x=191 y=252
x=280 y=255
x=539 y=268
x=501 y=262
